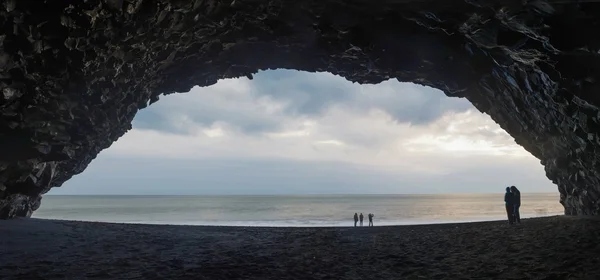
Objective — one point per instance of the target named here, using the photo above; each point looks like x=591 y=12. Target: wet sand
x=541 y=248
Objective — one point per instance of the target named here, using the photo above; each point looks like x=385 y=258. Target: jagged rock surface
x=73 y=74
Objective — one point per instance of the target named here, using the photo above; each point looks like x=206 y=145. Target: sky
x=290 y=132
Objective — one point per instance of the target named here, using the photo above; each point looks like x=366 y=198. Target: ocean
x=293 y=211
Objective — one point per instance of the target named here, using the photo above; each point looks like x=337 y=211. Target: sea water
x=301 y=210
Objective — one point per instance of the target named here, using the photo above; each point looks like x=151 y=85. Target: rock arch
x=73 y=74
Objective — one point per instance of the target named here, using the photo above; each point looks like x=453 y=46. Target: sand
x=541 y=248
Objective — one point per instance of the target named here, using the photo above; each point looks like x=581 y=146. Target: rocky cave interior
x=73 y=74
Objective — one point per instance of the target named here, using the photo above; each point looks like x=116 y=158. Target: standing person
x=355 y=219
x=508 y=202
x=516 y=203
x=371 y=219
x=361 y=218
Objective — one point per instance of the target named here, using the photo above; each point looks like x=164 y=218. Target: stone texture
x=73 y=74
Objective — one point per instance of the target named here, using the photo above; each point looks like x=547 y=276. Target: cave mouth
x=407 y=132
x=289 y=140
x=74 y=75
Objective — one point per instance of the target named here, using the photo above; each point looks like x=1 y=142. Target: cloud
x=314 y=93
x=295 y=132
x=230 y=101
x=453 y=142
x=110 y=174
x=262 y=105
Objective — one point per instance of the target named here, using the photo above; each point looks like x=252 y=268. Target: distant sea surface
x=308 y=210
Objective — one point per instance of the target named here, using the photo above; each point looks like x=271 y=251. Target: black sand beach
x=541 y=248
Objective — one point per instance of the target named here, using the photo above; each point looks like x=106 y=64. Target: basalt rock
x=74 y=73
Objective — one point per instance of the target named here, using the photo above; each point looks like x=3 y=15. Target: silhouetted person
x=509 y=203
x=371 y=219
x=361 y=218
x=355 y=219
x=516 y=203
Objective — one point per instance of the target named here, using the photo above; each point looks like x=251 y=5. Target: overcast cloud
x=289 y=132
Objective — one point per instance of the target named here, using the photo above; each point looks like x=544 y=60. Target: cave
x=73 y=74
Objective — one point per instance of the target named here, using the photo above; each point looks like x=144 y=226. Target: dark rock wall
x=73 y=73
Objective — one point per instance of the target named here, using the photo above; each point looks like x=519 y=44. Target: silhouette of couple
x=357 y=218
x=512 y=200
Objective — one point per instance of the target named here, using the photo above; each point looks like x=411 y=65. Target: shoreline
x=557 y=247
x=271 y=224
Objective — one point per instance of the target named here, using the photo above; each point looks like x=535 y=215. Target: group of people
x=360 y=218
x=512 y=200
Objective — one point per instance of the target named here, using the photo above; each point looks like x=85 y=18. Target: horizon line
x=307 y=194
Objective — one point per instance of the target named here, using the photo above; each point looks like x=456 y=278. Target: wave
x=310 y=223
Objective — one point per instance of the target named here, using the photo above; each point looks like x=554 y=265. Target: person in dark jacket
x=509 y=203
x=516 y=203
x=355 y=219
